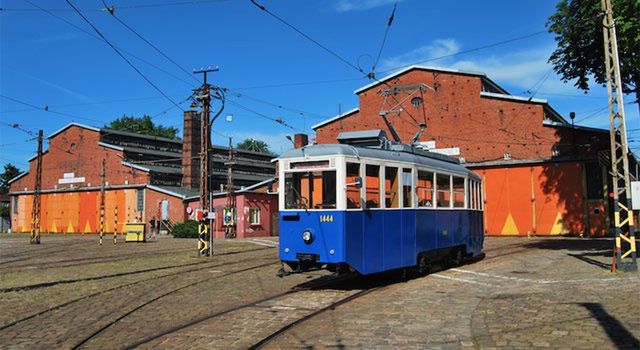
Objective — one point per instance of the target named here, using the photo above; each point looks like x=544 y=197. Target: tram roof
x=399 y=154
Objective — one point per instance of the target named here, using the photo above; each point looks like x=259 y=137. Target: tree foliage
x=10 y=171
x=577 y=25
x=254 y=145
x=143 y=125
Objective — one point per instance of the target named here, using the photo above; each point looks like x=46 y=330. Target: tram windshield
x=310 y=190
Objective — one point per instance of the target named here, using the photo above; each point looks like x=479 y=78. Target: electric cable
x=46 y=109
x=89 y=103
x=97 y=37
x=384 y=39
x=283 y=107
x=111 y=11
x=463 y=52
x=122 y=56
x=277 y=120
x=333 y=53
x=162 y=4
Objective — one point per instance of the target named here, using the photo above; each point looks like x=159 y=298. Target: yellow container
x=134 y=232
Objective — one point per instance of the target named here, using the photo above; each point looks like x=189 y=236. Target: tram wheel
x=423 y=265
x=457 y=257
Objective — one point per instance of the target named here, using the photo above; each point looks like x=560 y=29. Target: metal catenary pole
x=625 y=247
x=35 y=209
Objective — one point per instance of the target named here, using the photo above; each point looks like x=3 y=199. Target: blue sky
x=44 y=61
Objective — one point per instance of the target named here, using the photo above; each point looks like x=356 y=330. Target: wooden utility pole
x=625 y=245
x=103 y=177
x=203 y=96
x=35 y=209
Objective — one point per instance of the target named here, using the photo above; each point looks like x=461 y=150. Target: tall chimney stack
x=300 y=140
x=191 y=150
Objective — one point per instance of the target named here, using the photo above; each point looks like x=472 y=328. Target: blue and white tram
x=376 y=208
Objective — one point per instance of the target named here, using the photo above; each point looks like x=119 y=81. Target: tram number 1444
x=326 y=218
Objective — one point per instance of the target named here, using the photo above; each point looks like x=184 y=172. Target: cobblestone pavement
x=526 y=293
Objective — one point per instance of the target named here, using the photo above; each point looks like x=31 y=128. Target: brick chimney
x=191 y=139
x=300 y=140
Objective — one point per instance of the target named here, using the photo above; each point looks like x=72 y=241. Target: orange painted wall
x=545 y=199
x=77 y=212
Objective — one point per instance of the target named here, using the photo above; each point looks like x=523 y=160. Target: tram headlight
x=307 y=236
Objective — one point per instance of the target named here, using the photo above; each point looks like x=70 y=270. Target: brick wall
x=76 y=150
x=484 y=128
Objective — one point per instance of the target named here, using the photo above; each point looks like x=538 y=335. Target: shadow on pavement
x=617 y=332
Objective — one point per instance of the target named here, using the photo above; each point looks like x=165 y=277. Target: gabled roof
x=339 y=116
x=17 y=177
x=73 y=124
x=431 y=69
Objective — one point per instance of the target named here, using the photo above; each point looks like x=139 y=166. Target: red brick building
x=144 y=180
x=541 y=174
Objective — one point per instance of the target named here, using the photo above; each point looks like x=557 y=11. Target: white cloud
x=522 y=70
x=361 y=5
x=437 y=48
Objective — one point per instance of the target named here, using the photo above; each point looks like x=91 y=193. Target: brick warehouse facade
x=143 y=180
x=541 y=174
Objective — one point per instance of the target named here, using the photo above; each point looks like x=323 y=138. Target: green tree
x=10 y=171
x=143 y=125
x=577 y=25
x=254 y=145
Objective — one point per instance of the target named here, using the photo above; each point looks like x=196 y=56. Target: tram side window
x=310 y=190
x=353 y=192
x=472 y=193
x=458 y=192
x=391 y=187
x=424 y=189
x=407 y=185
x=373 y=186
x=443 y=190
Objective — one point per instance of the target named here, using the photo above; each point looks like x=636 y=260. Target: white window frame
x=252 y=223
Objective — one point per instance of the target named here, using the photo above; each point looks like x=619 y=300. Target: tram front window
x=310 y=190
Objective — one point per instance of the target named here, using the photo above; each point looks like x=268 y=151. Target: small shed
x=249 y=212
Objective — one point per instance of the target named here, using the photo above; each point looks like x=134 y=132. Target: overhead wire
x=101 y=39
x=18 y=127
x=111 y=10
x=279 y=106
x=463 y=52
x=333 y=53
x=384 y=39
x=47 y=109
x=141 y=6
x=122 y=56
x=277 y=120
x=89 y=103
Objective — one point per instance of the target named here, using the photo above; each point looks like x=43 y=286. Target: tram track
x=119 y=274
x=29 y=254
x=129 y=312
x=332 y=284
x=51 y=264
x=207 y=265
